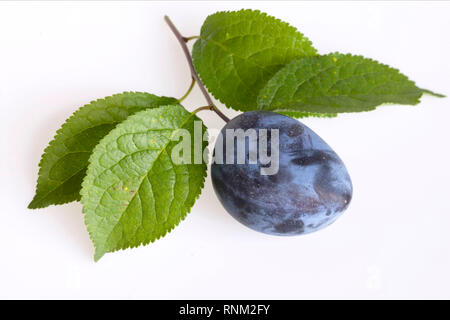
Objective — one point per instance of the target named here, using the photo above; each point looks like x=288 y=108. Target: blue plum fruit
x=309 y=191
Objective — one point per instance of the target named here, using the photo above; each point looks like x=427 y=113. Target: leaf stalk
x=188 y=91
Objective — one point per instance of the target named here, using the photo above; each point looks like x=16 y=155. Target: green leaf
x=239 y=51
x=133 y=192
x=336 y=83
x=63 y=164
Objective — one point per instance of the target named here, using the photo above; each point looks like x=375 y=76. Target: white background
x=393 y=241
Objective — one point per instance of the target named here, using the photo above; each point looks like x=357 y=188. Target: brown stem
x=194 y=74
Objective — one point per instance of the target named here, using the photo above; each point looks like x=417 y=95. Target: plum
x=309 y=189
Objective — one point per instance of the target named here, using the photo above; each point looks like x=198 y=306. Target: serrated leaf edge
x=306 y=40
x=52 y=143
x=98 y=256
x=261 y=107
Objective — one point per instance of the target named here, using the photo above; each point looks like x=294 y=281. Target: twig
x=194 y=74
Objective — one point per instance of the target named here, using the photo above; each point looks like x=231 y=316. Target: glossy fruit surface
x=310 y=190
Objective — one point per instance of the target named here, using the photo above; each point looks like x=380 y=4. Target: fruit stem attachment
x=182 y=41
x=188 y=91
